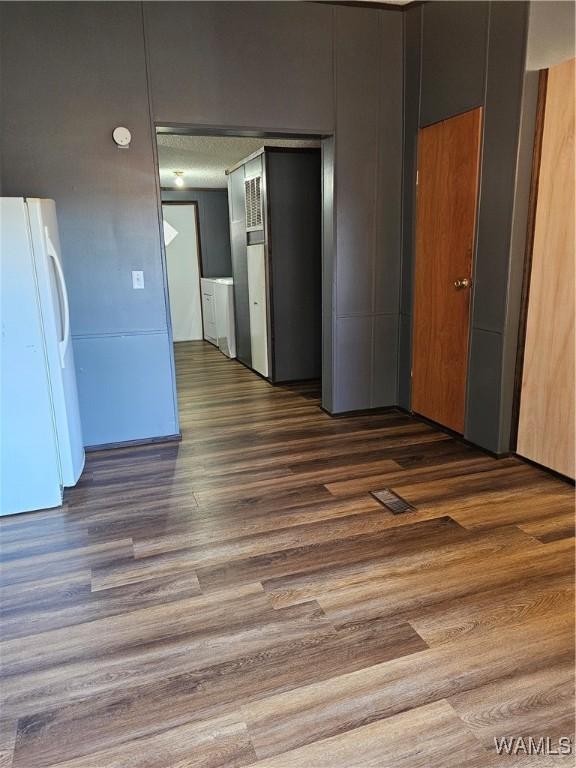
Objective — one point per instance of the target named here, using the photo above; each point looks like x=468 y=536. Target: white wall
x=183 y=275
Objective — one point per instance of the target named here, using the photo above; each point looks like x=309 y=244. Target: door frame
x=328 y=226
x=472 y=265
x=528 y=248
x=193 y=203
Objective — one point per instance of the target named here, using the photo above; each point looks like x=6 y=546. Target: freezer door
x=56 y=319
x=29 y=462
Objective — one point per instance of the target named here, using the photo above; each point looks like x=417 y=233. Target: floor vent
x=396 y=504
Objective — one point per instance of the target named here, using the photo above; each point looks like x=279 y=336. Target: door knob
x=462 y=282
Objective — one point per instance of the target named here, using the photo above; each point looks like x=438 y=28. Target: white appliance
x=41 y=437
x=218 y=313
x=257 y=298
x=209 y=310
x=225 y=330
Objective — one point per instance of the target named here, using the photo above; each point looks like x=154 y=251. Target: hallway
x=240 y=598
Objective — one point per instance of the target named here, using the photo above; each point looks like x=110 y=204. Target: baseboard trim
x=458 y=435
x=176 y=438
x=548 y=471
x=363 y=411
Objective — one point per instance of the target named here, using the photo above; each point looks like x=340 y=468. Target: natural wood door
x=447 y=191
x=546 y=425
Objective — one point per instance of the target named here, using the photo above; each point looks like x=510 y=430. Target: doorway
x=183 y=267
x=447 y=193
x=259 y=215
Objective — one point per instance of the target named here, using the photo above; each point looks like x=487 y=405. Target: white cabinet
x=209 y=311
x=224 y=306
x=218 y=313
x=257 y=297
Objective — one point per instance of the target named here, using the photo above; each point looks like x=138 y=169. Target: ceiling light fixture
x=179 y=181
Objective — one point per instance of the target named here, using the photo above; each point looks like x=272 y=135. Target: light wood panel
x=447 y=192
x=546 y=421
x=241 y=599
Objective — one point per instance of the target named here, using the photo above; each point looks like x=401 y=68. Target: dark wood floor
x=241 y=598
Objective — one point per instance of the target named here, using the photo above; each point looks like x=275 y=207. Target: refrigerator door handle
x=63 y=344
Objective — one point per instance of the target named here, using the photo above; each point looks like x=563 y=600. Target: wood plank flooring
x=241 y=599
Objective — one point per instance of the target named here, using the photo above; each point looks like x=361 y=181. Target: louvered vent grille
x=253 y=203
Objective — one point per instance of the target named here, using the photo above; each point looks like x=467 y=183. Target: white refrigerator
x=41 y=448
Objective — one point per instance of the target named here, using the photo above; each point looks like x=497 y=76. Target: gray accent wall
x=237 y=64
x=498 y=268
x=412 y=60
x=473 y=54
x=298 y=68
x=367 y=196
x=453 y=58
x=214 y=227
x=293 y=202
x=72 y=72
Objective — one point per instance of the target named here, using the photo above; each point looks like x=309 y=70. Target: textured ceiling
x=205 y=158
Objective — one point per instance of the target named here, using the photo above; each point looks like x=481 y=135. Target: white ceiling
x=204 y=159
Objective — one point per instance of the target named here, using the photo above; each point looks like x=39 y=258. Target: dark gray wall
x=289 y=68
x=412 y=58
x=367 y=190
x=473 y=55
x=293 y=196
x=71 y=73
x=263 y=65
x=214 y=227
x=453 y=58
x=497 y=269
x=74 y=71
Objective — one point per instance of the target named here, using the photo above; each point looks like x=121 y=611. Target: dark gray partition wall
x=72 y=72
x=498 y=267
x=412 y=59
x=214 y=227
x=473 y=55
x=293 y=200
x=367 y=190
x=453 y=58
x=287 y=67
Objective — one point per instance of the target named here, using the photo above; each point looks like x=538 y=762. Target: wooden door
x=447 y=191
x=546 y=424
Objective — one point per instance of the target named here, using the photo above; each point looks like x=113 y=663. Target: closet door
x=546 y=422
x=257 y=299
x=448 y=169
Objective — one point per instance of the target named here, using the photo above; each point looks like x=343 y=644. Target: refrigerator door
x=56 y=317
x=29 y=461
